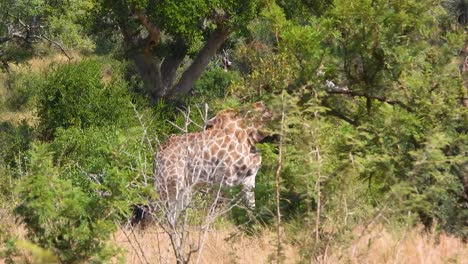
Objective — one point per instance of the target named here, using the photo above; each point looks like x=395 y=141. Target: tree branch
x=200 y=62
x=171 y=63
x=69 y=57
x=28 y=36
x=335 y=113
x=343 y=91
x=154 y=34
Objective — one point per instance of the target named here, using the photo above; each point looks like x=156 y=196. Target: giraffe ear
x=215 y=121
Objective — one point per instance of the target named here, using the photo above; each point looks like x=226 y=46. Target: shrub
x=214 y=82
x=62 y=217
x=24 y=87
x=83 y=94
x=104 y=160
x=15 y=141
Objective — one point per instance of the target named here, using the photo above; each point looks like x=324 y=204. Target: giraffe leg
x=248 y=191
x=248 y=186
x=248 y=183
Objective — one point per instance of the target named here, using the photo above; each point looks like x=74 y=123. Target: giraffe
x=223 y=153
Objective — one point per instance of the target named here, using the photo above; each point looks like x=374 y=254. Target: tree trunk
x=195 y=70
x=148 y=68
x=159 y=77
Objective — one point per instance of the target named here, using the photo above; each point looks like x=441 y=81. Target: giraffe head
x=260 y=112
x=257 y=119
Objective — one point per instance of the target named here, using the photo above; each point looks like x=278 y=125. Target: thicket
x=369 y=122
x=78 y=95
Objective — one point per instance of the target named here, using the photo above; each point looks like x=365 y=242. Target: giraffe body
x=223 y=154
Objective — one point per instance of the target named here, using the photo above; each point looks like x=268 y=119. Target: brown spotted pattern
x=224 y=153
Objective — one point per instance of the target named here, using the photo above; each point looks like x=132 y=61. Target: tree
x=23 y=24
x=382 y=78
x=18 y=30
x=159 y=35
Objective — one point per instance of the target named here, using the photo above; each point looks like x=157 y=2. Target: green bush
x=104 y=160
x=61 y=217
x=214 y=82
x=24 y=87
x=83 y=94
x=15 y=141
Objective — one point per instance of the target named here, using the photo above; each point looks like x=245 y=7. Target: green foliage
x=386 y=141
x=81 y=94
x=182 y=19
x=106 y=160
x=301 y=10
x=392 y=128
x=9 y=45
x=214 y=82
x=38 y=254
x=389 y=49
x=24 y=89
x=60 y=216
x=15 y=141
x=434 y=188
x=68 y=22
x=25 y=25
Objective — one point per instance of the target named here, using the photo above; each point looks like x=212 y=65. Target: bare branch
x=69 y=57
x=277 y=180
x=345 y=91
x=28 y=36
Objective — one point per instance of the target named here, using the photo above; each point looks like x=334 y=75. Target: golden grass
x=38 y=64
x=378 y=246
x=222 y=246
x=411 y=246
x=375 y=247
x=18 y=117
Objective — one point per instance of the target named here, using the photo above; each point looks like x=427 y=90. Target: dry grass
x=38 y=64
x=18 y=117
x=222 y=246
x=378 y=246
x=413 y=246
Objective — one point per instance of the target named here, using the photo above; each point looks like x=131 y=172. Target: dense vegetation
x=369 y=99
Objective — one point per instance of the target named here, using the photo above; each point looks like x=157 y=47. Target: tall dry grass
x=152 y=245
x=228 y=245
x=411 y=246
x=378 y=246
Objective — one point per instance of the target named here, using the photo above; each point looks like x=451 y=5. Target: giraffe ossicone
x=223 y=154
